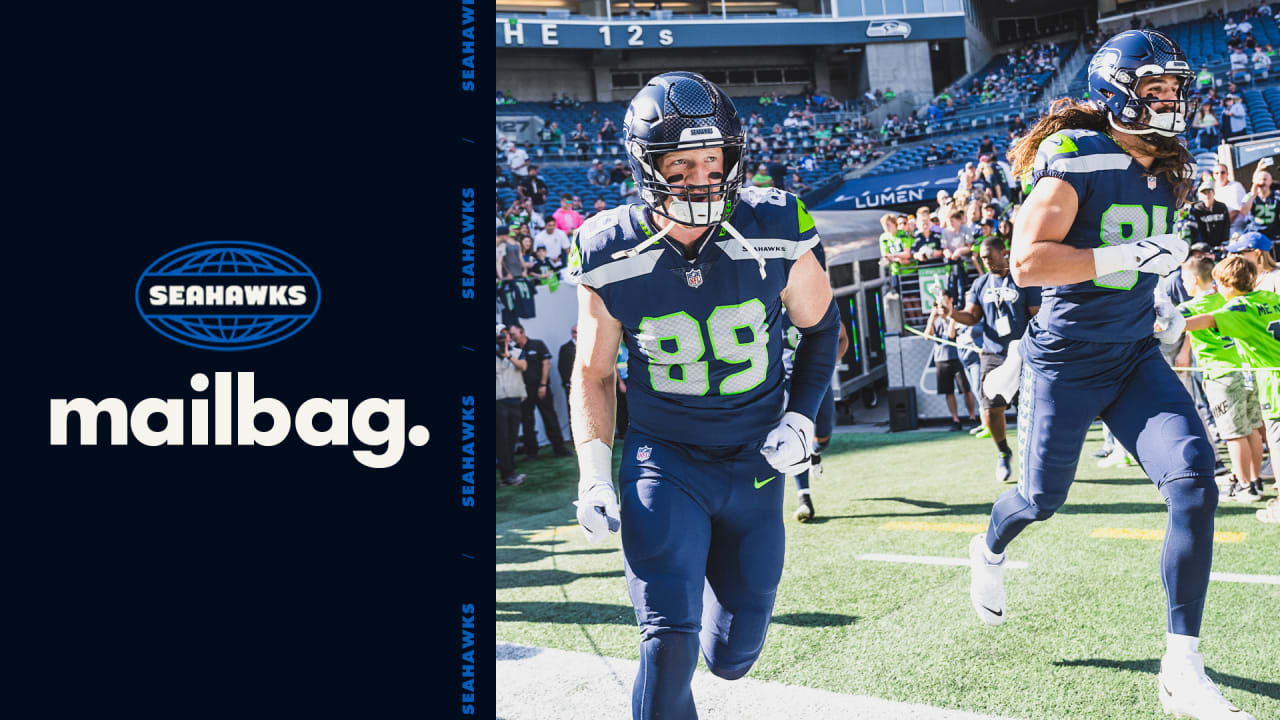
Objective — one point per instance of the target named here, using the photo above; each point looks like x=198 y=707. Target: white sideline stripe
x=930 y=560
x=1245 y=578
x=537 y=684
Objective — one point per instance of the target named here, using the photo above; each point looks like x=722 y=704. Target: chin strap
x=751 y=250
x=643 y=243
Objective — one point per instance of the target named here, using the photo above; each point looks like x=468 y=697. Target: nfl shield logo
x=693 y=277
x=1151 y=183
x=643 y=453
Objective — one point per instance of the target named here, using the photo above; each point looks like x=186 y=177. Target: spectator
x=957 y=247
x=537 y=373
x=1209 y=220
x=597 y=175
x=535 y=188
x=1256 y=248
x=556 y=102
x=948 y=153
x=1204 y=79
x=526 y=254
x=628 y=191
x=796 y=185
x=928 y=243
x=507 y=399
x=567 y=220
x=508 y=256
x=895 y=249
x=517 y=161
x=761 y=179
x=1261 y=64
x=501 y=181
x=541 y=268
x=564 y=363
x=556 y=243
x=619 y=173
x=949 y=369
x=608 y=131
x=1206 y=127
x=551 y=134
x=932 y=156
x=518 y=214
x=1261 y=206
x=1228 y=190
x=1239 y=62
x=597 y=207
x=579 y=135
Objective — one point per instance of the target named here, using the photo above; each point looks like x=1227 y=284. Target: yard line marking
x=536 y=683
x=931 y=560
x=549 y=534
x=1148 y=534
x=1245 y=578
x=934 y=526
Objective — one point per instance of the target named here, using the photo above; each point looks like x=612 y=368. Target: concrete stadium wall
x=535 y=74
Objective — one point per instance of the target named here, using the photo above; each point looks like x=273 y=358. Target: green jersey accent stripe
x=806 y=220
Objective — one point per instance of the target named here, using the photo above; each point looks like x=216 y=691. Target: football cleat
x=804 y=513
x=1186 y=692
x=1115 y=459
x=1004 y=472
x=986 y=582
x=1240 y=492
x=1104 y=452
x=980 y=431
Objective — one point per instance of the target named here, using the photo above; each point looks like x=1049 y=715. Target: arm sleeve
x=815 y=361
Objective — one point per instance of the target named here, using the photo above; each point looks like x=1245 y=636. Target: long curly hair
x=1171 y=157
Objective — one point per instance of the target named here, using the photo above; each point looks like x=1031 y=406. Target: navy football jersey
x=999 y=298
x=1264 y=216
x=1119 y=202
x=704 y=335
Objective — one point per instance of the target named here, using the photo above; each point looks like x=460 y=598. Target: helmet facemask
x=1140 y=111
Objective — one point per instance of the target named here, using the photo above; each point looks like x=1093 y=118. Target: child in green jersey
x=1252 y=318
x=1233 y=402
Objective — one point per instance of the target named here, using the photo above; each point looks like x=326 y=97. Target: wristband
x=595 y=465
x=1112 y=258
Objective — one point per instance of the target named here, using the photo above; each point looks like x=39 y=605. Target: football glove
x=1004 y=381
x=1158 y=255
x=788 y=447
x=597 y=503
x=1169 y=323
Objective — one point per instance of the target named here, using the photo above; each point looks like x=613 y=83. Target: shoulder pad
x=1079 y=151
x=600 y=255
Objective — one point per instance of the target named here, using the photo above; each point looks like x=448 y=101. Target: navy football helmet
x=684 y=111
x=1121 y=63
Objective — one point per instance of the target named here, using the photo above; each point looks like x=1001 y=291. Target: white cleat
x=986 y=582
x=1186 y=692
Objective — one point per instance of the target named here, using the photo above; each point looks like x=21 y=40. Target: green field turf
x=1086 y=618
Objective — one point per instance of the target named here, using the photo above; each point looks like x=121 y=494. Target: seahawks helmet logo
x=1105 y=59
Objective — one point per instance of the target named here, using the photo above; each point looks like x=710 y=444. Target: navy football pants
x=1065 y=385
x=703 y=542
x=822 y=427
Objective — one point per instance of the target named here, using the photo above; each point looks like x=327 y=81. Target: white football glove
x=1169 y=323
x=1004 y=380
x=1158 y=255
x=597 y=503
x=788 y=446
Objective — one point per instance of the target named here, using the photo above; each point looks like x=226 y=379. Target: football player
x=825 y=422
x=693 y=280
x=1095 y=234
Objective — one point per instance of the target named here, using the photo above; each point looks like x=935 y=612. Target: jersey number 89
x=681 y=331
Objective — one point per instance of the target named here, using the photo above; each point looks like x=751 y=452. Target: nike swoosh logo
x=993 y=612
x=762 y=483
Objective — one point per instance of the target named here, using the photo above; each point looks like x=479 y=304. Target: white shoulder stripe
x=624 y=269
x=1091 y=163
x=768 y=248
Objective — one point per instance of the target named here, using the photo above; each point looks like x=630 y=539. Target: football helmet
x=1121 y=63
x=684 y=111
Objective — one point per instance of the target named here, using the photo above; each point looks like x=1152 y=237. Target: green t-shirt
x=1254 y=321
x=1204 y=78
x=897 y=243
x=762 y=180
x=1215 y=355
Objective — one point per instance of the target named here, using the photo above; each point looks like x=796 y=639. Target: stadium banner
x=626 y=33
x=913 y=186
x=933 y=280
x=520 y=128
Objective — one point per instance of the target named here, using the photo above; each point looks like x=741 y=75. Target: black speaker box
x=902 y=409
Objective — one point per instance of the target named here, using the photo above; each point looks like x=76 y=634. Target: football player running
x=693 y=281
x=1096 y=235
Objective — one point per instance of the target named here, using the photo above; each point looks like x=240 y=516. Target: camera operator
x=507 y=398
